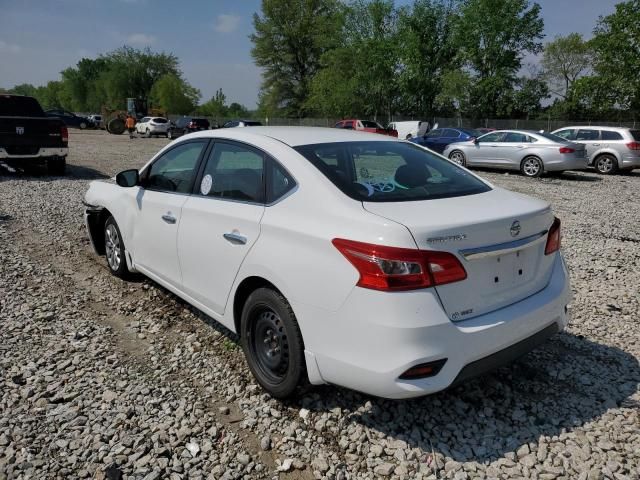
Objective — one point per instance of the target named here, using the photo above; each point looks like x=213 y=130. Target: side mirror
x=128 y=178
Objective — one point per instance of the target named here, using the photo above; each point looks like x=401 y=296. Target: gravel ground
x=105 y=379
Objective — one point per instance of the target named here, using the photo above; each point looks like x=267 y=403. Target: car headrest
x=412 y=176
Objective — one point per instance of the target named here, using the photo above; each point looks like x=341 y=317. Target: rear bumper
x=42 y=153
x=375 y=337
x=630 y=161
x=562 y=163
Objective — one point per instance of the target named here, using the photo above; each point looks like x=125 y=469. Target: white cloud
x=226 y=23
x=141 y=40
x=9 y=47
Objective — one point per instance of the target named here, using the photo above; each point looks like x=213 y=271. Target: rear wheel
x=114 y=249
x=606 y=164
x=532 y=167
x=272 y=342
x=83 y=125
x=458 y=157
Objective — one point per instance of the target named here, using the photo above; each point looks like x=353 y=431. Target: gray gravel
x=101 y=378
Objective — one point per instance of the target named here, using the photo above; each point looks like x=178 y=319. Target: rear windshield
x=635 y=134
x=17 y=106
x=370 y=124
x=160 y=120
x=200 y=121
x=552 y=137
x=390 y=171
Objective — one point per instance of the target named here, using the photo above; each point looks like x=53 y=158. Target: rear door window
x=450 y=133
x=515 y=137
x=610 y=135
x=381 y=171
x=435 y=133
x=234 y=172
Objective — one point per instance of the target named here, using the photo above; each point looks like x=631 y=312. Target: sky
x=40 y=38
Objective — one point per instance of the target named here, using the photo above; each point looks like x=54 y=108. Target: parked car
x=438 y=139
x=185 y=125
x=241 y=123
x=28 y=137
x=339 y=257
x=533 y=153
x=96 y=120
x=609 y=149
x=365 y=126
x=153 y=126
x=70 y=119
x=409 y=129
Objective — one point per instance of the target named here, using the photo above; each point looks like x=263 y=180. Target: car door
x=511 y=149
x=431 y=139
x=166 y=184
x=590 y=138
x=485 y=150
x=448 y=137
x=221 y=221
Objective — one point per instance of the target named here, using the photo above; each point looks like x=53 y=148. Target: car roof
x=594 y=127
x=294 y=136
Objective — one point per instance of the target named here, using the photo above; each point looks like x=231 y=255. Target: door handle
x=167 y=217
x=596 y=144
x=235 y=237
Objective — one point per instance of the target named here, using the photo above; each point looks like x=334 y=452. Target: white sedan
x=153 y=126
x=339 y=257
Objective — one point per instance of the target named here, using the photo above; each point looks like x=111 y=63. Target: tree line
x=108 y=80
x=467 y=58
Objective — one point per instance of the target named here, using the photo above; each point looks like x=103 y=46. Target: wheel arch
x=600 y=153
x=245 y=288
x=96 y=218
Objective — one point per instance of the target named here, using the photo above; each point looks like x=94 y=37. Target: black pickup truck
x=29 y=138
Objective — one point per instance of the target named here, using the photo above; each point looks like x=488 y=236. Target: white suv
x=153 y=126
x=608 y=148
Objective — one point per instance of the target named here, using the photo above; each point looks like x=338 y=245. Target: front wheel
x=148 y=133
x=606 y=164
x=169 y=135
x=272 y=342
x=83 y=125
x=531 y=167
x=458 y=157
x=114 y=249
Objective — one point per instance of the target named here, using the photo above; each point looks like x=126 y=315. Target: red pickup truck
x=366 y=126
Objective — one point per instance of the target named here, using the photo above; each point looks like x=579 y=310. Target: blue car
x=70 y=119
x=438 y=139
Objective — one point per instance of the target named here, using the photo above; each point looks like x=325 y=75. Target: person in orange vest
x=131 y=125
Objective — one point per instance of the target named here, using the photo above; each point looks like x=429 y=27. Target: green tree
x=616 y=43
x=216 y=106
x=564 y=60
x=528 y=96
x=174 y=95
x=493 y=36
x=24 y=89
x=426 y=53
x=289 y=39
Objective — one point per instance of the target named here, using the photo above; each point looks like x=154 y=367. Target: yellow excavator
x=114 y=119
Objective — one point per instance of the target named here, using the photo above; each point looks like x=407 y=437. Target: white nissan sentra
x=339 y=257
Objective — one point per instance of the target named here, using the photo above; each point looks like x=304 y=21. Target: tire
x=457 y=156
x=57 y=166
x=114 y=250
x=148 y=133
x=606 y=164
x=82 y=125
x=170 y=135
x=531 y=167
x=272 y=343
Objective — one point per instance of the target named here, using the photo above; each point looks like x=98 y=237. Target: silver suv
x=608 y=148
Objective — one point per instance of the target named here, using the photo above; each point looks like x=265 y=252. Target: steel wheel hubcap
x=270 y=345
x=531 y=166
x=605 y=164
x=112 y=247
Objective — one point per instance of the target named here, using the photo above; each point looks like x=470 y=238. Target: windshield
x=390 y=171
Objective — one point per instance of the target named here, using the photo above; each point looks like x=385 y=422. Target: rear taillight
x=64 y=133
x=553 y=238
x=567 y=150
x=633 y=146
x=392 y=269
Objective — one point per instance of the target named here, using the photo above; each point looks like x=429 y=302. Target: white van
x=410 y=128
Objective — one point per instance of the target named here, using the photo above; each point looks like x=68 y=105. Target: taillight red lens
x=392 y=269
x=567 y=150
x=64 y=133
x=633 y=146
x=553 y=238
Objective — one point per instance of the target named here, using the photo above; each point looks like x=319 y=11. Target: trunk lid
x=498 y=236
